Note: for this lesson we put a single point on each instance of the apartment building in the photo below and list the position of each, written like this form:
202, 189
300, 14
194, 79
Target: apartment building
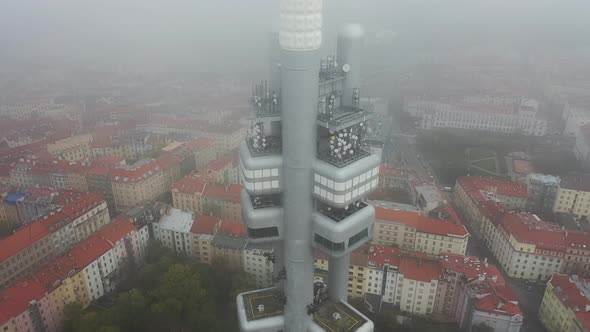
75, 148
204, 230
226, 138
406, 282
229, 243
519, 117
573, 195
88, 271
203, 150
257, 263
577, 254
195, 194
173, 230
411, 231
23, 110
36, 243
491, 305
524, 245
223, 170
357, 273
171, 168
98, 180
566, 304
395, 178
140, 182
187, 193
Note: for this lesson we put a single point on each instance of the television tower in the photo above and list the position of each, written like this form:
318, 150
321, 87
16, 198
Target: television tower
306, 174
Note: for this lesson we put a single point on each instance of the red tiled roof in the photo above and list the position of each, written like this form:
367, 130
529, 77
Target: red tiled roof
499, 300
135, 174
23, 238
117, 229
226, 192
205, 225
16, 299
504, 188
577, 240
189, 184
381, 255
421, 223
75, 206
226, 161
571, 296
472, 267
84, 253
199, 144
234, 228
528, 228
419, 269
168, 160
104, 171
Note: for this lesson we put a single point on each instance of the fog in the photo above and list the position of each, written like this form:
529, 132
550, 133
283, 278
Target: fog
179, 34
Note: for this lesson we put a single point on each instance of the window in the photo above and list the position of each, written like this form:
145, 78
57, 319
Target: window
359, 236
337, 247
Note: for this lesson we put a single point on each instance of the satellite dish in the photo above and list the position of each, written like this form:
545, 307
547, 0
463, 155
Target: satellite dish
346, 68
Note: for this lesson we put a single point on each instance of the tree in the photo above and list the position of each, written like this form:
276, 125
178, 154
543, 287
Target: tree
130, 311
72, 314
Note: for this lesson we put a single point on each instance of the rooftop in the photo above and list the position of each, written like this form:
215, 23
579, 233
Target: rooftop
168, 160
221, 163
263, 304
575, 182
199, 144
229, 242
205, 225
504, 188
473, 268
177, 221
421, 223
45, 225
189, 184
574, 293
338, 317
16, 299
497, 299
529, 228
137, 172
226, 192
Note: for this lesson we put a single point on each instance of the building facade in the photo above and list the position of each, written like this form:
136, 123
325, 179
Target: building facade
411, 231
134, 184
520, 117
566, 304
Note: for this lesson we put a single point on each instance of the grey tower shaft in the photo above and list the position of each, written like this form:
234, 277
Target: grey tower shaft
299, 81
338, 278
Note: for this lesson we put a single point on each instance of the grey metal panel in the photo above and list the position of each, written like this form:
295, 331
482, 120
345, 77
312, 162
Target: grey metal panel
342, 174
262, 218
343, 230
254, 163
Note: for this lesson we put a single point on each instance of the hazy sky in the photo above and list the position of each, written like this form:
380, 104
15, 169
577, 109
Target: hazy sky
177, 33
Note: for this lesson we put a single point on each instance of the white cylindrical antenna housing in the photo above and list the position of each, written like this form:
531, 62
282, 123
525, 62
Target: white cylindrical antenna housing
350, 44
